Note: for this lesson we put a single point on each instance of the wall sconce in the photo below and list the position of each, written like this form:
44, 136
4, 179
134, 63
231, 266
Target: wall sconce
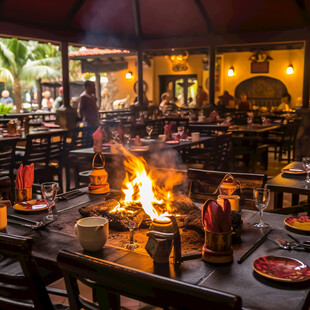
290, 69
231, 71
129, 75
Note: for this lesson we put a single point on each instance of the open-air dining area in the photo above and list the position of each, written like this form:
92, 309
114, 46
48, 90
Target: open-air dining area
155, 154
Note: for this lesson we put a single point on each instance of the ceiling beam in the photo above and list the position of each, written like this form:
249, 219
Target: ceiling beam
227, 39
77, 6
205, 15
136, 18
303, 11
56, 35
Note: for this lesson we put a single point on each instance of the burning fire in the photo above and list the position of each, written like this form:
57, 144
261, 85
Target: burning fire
145, 186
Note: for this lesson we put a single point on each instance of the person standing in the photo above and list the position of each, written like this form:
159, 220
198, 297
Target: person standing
58, 101
88, 109
201, 97
47, 101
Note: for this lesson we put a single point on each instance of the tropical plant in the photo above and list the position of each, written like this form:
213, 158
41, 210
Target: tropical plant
5, 108
27, 60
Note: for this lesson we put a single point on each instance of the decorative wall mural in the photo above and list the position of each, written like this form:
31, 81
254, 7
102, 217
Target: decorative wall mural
260, 62
179, 62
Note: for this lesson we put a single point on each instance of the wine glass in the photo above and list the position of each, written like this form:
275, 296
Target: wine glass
49, 191
306, 164
249, 120
127, 137
131, 225
261, 198
149, 130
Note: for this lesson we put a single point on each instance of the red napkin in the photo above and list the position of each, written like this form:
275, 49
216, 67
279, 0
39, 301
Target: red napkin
25, 176
216, 218
98, 137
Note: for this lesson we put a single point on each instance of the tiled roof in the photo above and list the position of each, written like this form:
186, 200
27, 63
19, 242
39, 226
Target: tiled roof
97, 52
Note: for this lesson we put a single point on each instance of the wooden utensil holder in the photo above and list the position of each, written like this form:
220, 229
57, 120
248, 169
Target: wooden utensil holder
217, 248
23, 194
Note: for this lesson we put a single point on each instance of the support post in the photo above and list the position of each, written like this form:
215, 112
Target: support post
66, 116
306, 80
211, 74
65, 74
98, 89
140, 77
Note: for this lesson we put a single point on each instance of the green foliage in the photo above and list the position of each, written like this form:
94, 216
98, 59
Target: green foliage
5, 108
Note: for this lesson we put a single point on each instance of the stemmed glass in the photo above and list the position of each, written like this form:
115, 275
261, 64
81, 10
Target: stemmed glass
127, 137
149, 130
249, 120
261, 198
131, 225
306, 164
49, 191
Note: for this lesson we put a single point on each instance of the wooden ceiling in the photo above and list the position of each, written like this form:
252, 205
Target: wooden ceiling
153, 24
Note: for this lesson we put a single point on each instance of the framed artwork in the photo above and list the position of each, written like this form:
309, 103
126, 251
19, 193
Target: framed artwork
260, 67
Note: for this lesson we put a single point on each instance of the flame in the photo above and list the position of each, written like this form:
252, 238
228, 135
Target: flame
145, 186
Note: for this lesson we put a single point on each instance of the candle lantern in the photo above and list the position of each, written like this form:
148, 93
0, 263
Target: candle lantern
163, 235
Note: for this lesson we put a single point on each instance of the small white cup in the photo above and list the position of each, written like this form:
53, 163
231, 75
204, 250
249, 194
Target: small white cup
233, 199
92, 232
195, 136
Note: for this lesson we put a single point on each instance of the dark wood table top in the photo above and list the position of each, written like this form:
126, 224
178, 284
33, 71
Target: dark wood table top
156, 145
256, 129
290, 183
256, 292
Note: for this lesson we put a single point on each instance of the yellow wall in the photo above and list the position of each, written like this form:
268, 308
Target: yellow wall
277, 69
163, 66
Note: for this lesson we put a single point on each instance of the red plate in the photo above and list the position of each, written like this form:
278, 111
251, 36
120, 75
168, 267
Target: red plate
300, 223
282, 269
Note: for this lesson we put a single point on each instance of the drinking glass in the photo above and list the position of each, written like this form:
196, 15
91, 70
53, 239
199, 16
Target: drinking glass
49, 191
249, 120
127, 137
261, 198
306, 164
149, 130
131, 225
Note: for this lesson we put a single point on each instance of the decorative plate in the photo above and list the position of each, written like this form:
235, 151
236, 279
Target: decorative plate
31, 205
293, 171
173, 142
282, 269
300, 223
139, 148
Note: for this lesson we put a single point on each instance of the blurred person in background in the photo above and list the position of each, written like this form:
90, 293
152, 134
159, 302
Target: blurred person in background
285, 103
47, 101
5, 97
58, 101
202, 97
244, 104
88, 109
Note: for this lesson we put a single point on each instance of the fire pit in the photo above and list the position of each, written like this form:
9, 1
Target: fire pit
148, 198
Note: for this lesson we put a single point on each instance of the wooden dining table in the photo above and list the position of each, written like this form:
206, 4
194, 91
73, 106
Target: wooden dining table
292, 183
256, 291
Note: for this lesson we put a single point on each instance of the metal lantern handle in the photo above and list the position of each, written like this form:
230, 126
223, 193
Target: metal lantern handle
101, 158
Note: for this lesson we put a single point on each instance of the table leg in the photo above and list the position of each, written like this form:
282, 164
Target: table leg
278, 200
295, 199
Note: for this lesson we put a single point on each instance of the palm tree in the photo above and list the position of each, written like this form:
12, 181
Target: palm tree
22, 60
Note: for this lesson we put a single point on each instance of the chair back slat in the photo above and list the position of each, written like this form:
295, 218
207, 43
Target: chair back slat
82, 137
25, 291
7, 156
203, 184
114, 280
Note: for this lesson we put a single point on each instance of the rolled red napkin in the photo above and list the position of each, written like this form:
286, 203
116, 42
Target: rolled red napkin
98, 137
215, 218
25, 176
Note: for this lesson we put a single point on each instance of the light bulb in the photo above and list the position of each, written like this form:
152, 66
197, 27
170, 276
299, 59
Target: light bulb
290, 69
129, 75
230, 71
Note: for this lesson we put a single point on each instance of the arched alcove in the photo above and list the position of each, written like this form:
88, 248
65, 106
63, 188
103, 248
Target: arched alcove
262, 91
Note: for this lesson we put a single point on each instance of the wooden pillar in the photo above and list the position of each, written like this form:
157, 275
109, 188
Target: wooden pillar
39, 94
98, 89
65, 74
211, 74
306, 80
140, 77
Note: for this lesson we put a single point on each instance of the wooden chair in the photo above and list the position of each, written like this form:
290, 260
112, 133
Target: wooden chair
48, 153
215, 154
81, 137
24, 290
7, 156
204, 183
110, 280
